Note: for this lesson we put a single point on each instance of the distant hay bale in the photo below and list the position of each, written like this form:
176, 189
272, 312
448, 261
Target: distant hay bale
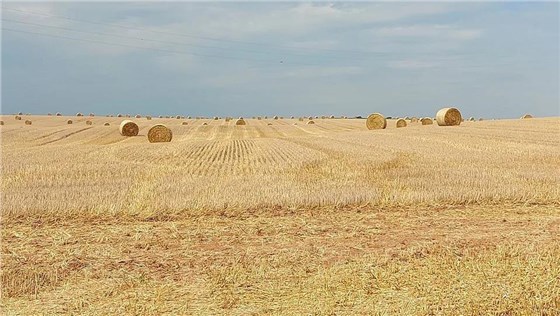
376, 121
316, 117
426, 121
138, 116
159, 134
184, 123
89, 123
161, 116
310, 118
258, 118
20, 113
167, 116
228, 119
346, 117
58, 114
240, 121
300, 119
69, 122
1, 122
275, 117
128, 115
414, 120
292, 117
49, 114
189, 117
332, 116
27, 122
448, 117
178, 117
269, 124
149, 118
471, 119
310, 122
106, 124
389, 117
128, 128
527, 116
401, 123
407, 118
119, 115
216, 118
295, 123
18, 118
481, 119
323, 117
91, 114
266, 117
204, 124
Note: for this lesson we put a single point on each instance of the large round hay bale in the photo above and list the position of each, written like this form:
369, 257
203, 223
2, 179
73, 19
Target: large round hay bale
376, 121
89, 123
184, 123
291, 117
160, 134
27, 122
128, 128
448, 117
216, 118
69, 122
189, 117
310, 122
240, 121
527, 116
266, 117
426, 121
18, 118
106, 124
401, 123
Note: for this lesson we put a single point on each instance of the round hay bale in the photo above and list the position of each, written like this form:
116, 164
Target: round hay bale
79, 114
161, 116
292, 117
69, 122
258, 118
128, 128
106, 124
471, 119
266, 117
149, 118
49, 114
310, 122
323, 117
427, 121
216, 118
178, 117
20, 113
310, 118
18, 118
480, 119
167, 116
128, 115
275, 117
138, 116
316, 117
376, 121
332, 116
407, 118
448, 117
300, 119
184, 123
159, 134
414, 120
189, 117
91, 114
119, 115
89, 123
204, 124
527, 116
269, 124
58, 114
1, 122
240, 121
27, 122
401, 123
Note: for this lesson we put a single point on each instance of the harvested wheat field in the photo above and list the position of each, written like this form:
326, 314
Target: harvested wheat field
329, 218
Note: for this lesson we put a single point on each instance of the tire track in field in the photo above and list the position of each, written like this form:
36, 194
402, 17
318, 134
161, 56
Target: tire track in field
65, 136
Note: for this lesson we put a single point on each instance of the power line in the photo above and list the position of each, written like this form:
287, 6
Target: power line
147, 39
155, 49
188, 35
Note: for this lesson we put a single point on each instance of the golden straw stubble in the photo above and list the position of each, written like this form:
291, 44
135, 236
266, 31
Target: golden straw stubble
160, 134
401, 123
448, 117
376, 121
128, 128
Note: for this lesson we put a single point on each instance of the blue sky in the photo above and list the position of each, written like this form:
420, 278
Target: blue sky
490, 59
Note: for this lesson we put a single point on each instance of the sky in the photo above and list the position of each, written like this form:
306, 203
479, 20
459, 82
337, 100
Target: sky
489, 59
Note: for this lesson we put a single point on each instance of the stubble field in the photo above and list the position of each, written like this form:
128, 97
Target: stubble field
280, 219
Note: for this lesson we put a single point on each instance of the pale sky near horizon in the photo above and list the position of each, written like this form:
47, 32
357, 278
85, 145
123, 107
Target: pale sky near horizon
490, 59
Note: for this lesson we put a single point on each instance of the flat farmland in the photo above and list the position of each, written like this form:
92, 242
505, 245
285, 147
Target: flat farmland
280, 217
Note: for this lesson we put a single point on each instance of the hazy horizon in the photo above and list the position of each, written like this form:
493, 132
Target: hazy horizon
492, 60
